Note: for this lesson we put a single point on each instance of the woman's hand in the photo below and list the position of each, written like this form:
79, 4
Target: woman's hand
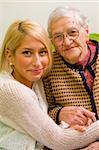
77, 117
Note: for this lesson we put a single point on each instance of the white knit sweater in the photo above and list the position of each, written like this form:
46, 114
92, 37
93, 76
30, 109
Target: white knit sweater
24, 111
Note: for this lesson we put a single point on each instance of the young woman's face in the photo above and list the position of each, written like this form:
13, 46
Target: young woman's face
69, 39
30, 61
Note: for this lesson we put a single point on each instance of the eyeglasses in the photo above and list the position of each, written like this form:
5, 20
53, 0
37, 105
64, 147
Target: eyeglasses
71, 34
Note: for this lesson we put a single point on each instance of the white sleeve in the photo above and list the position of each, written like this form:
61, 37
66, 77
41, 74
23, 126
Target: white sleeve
20, 105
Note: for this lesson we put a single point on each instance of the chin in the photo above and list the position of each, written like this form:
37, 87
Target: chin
72, 60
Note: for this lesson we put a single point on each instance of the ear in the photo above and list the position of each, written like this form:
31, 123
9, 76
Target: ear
87, 32
8, 55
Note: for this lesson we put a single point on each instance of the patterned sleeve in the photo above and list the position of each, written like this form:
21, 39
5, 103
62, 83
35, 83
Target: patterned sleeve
53, 108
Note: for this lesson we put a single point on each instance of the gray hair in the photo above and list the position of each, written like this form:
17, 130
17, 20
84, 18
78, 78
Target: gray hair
60, 12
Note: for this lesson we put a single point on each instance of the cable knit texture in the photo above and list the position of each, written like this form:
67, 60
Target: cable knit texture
24, 111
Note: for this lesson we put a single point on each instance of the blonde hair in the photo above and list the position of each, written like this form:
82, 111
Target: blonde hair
15, 36
60, 12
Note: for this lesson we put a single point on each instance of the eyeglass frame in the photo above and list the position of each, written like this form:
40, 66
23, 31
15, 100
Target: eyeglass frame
65, 35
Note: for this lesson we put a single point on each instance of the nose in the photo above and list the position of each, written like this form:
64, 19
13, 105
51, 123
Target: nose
36, 61
67, 40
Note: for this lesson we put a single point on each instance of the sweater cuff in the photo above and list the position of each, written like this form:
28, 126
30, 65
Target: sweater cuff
57, 116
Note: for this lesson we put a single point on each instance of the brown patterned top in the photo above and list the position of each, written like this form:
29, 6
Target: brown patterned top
66, 85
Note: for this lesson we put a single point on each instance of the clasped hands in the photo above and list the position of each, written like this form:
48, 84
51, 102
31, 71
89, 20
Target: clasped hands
77, 117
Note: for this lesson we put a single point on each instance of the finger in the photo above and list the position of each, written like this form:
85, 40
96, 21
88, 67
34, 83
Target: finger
78, 120
89, 114
83, 118
79, 128
89, 122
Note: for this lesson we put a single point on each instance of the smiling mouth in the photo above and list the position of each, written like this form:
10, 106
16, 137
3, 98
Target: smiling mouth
37, 71
70, 48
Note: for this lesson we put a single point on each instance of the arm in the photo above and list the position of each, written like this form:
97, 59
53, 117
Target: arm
20, 105
92, 146
53, 108
72, 115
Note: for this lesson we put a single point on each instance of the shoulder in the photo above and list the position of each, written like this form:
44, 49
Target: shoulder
5, 79
93, 43
56, 55
8, 83
57, 60
13, 92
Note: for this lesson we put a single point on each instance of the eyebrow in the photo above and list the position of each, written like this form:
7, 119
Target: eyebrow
72, 28
57, 33
33, 48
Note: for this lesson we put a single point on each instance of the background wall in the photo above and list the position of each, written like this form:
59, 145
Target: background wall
40, 10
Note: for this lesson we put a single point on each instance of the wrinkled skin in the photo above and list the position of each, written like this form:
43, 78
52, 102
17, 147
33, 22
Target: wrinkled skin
77, 117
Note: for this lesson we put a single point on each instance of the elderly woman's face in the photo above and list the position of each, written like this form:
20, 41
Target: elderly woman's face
69, 39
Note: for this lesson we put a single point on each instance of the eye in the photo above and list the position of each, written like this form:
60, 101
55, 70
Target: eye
73, 32
43, 52
27, 52
58, 37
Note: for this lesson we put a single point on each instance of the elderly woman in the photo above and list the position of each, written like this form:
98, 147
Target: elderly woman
73, 82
